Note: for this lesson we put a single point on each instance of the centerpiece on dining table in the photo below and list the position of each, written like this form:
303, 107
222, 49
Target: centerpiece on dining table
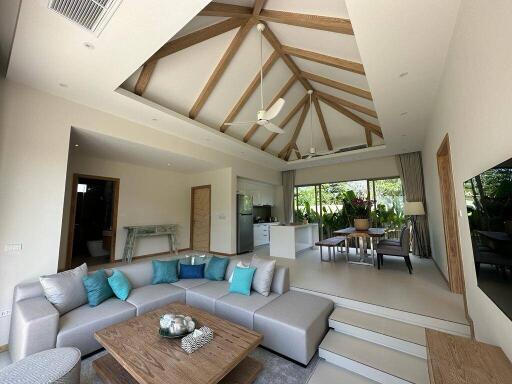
362, 209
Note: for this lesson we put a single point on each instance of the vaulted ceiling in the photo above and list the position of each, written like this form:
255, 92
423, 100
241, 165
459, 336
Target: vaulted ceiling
209, 71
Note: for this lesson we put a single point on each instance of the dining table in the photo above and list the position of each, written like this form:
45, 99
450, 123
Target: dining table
362, 237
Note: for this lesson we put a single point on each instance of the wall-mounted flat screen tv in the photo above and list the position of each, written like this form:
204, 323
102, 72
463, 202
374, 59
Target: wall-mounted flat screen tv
489, 206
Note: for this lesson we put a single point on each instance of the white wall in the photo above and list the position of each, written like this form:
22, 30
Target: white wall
473, 107
355, 170
146, 196
34, 138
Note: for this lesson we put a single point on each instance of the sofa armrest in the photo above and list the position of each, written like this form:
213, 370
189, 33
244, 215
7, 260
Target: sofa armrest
34, 327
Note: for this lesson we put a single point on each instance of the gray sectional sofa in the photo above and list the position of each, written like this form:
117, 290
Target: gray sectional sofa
292, 323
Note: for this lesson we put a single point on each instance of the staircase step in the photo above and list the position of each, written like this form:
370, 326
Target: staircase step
329, 373
378, 363
390, 333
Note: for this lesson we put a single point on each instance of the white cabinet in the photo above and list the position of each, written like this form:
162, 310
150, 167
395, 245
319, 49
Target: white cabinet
262, 194
261, 234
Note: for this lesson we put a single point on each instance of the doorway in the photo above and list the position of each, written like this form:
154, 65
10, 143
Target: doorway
450, 223
93, 220
200, 218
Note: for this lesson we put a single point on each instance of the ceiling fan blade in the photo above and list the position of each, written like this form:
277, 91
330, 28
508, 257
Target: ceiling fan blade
273, 128
274, 109
241, 123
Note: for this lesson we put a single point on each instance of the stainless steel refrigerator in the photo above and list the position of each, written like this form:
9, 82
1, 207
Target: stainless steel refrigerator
244, 224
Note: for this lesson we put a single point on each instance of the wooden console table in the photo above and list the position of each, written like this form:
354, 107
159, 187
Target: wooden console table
459, 360
136, 231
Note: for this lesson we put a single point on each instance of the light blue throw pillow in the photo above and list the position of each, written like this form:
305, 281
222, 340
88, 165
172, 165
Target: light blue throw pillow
216, 268
164, 272
242, 280
97, 287
120, 285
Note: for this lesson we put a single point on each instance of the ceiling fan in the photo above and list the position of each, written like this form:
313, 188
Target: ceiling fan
263, 116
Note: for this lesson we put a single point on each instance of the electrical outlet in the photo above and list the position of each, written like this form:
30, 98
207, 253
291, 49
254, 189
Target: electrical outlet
13, 247
5, 312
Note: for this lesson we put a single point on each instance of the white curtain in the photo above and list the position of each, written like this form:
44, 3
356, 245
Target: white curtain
411, 174
288, 178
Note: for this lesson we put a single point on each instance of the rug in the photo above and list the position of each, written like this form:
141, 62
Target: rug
276, 369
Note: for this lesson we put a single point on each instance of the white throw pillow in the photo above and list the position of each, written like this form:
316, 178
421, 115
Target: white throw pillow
264, 274
241, 265
65, 290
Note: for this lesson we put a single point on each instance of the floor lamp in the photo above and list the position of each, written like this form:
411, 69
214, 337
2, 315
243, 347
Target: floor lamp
414, 209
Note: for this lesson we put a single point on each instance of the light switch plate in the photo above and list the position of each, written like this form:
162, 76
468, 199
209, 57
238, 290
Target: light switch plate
5, 312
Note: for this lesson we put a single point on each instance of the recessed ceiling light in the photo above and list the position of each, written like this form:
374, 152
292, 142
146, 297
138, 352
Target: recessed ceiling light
404, 113
404, 135
168, 164
77, 145
154, 119
88, 45
63, 85
403, 74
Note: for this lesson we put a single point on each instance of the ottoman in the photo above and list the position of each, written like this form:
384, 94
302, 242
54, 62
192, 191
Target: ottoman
294, 324
59, 365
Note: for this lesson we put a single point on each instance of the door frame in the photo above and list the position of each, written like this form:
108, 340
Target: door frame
450, 221
192, 190
72, 213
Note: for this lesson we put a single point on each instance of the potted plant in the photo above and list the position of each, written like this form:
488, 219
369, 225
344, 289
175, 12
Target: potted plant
362, 210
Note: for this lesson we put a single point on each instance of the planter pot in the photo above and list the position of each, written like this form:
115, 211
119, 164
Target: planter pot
362, 224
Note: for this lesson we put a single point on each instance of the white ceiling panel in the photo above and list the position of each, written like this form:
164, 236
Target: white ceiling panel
198, 23
316, 7
343, 95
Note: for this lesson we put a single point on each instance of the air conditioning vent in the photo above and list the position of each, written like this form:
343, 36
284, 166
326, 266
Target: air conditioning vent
90, 14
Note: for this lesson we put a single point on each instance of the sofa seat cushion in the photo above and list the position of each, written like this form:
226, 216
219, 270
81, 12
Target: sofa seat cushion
240, 309
77, 327
151, 297
190, 283
204, 296
294, 324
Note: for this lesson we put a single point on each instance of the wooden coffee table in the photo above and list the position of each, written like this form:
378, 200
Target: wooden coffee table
137, 354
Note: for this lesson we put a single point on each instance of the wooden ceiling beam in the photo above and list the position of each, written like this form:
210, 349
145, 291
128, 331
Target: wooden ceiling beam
372, 127
179, 44
280, 94
276, 44
197, 37
285, 151
249, 91
144, 77
348, 104
368, 135
226, 10
285, 121
337, 85
322, 123
325, 23
297, 152
258, 6
332, 61
221, 68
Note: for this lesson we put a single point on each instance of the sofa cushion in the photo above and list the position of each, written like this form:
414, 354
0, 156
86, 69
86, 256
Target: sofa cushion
65, 290
189, 271
294, 324
77, 327
97, 287
281, 280
190, 283
240, 309
263, 276
242, 280
139, 273
120, 284
204, 296
164, 272
216, 268
151, 297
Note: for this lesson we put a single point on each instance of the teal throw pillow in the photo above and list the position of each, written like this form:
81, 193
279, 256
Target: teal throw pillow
97, 287
216, 268
120, 284
165, 271
242, 280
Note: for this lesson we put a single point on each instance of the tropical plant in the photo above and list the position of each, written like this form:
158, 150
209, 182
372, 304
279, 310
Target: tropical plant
362, 208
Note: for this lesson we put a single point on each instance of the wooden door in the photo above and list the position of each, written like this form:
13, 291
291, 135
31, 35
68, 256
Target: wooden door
451, 226
200, 218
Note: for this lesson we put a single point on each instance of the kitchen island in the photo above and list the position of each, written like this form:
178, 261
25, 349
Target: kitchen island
287, 240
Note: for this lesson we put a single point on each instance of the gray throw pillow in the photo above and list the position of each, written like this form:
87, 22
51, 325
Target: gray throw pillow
263, 276
65, 290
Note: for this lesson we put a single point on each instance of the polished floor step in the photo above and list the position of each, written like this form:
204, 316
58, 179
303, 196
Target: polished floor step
376, 362
390, 333
327, 373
